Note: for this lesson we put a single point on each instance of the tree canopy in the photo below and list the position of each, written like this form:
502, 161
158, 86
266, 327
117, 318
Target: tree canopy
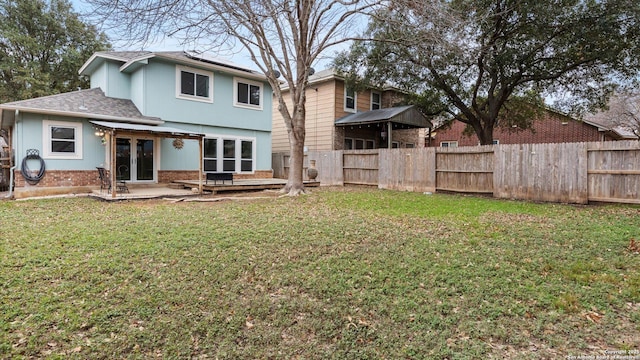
490, 63
622, 112
42, 46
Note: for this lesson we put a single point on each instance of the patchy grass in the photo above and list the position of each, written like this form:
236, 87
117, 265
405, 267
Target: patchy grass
347, 273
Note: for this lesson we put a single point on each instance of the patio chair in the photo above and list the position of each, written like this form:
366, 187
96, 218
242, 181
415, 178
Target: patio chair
105, 182
121, 185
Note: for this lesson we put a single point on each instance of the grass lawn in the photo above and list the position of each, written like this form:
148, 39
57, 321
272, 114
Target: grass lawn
343, 273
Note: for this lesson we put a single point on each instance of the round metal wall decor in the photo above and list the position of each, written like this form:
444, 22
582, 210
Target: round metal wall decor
178, 143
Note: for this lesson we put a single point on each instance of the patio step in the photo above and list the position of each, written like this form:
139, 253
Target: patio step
175, 186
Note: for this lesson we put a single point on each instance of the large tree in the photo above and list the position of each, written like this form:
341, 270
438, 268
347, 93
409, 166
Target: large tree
42, 46
283, 37
484, 62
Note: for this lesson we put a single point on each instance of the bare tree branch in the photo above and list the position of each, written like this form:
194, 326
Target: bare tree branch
281, 36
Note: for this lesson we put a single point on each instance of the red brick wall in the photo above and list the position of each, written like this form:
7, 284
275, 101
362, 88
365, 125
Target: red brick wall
550, 129
59, 178
62, 178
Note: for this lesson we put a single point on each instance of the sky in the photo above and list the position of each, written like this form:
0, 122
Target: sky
240, 57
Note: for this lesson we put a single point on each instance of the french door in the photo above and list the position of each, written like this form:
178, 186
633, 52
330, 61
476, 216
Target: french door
135, 159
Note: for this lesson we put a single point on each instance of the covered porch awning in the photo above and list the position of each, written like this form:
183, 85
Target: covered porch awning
117, 128
162, 131
401, 117
407, 117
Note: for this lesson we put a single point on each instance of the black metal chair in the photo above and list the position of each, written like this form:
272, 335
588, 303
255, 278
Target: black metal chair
121, 185
105, 182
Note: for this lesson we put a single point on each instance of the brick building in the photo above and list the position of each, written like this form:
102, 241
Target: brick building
551, 128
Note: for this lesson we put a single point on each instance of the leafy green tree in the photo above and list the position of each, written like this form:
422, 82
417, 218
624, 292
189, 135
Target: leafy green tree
42, 46
485, 62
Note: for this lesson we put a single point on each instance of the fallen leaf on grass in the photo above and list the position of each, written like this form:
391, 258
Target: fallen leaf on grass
594, 316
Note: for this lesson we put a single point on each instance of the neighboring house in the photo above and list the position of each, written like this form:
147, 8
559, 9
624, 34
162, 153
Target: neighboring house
552, 127
338, 118
622, 115
153, 117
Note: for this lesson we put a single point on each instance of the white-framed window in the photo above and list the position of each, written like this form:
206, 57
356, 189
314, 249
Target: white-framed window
409, 145
376, 100
247, 94
395, 145
370, 144
449, 144
194, 84
62, 139
229, 154
496, 142
348, 144
350, 99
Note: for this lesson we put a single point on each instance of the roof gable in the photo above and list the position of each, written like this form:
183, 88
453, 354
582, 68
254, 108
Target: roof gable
132, 60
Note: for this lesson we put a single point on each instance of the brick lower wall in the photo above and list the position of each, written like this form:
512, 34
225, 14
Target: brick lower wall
83, 178
61, 178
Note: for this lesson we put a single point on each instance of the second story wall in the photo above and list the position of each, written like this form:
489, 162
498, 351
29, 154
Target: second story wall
113, 82
326, 103
161, 97
320, 116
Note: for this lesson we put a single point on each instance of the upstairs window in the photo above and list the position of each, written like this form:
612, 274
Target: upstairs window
375, 100
193, 84
247, 94
350, 100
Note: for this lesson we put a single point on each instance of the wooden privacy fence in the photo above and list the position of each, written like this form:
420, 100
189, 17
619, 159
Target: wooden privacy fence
568, 172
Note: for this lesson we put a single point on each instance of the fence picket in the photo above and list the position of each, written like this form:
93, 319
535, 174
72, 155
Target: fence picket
567, 172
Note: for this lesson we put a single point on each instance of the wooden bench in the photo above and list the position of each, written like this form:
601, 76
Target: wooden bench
219, 176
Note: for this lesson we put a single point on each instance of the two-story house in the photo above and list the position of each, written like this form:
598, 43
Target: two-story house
152, 117
338, 118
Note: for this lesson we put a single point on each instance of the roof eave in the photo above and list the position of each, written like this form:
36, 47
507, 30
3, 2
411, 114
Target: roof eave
315, 81
250, 74
94, 57
83, 115
144, 60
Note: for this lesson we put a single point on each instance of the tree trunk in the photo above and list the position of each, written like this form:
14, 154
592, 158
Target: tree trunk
485, 135
295, 183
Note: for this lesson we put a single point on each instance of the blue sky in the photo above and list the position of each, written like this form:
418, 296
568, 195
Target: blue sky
241, 57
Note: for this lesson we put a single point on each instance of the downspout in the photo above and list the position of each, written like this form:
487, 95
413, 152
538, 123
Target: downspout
13, 168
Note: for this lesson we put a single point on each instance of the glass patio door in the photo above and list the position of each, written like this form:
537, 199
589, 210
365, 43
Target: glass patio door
144, 159
135, 159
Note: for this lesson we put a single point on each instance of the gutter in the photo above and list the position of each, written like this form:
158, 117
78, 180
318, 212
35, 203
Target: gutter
83, 115
13, 168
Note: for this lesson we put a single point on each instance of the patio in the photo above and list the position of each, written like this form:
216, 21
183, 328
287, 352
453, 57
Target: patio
184, 188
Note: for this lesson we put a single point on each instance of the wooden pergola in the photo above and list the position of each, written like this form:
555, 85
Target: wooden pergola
124, 129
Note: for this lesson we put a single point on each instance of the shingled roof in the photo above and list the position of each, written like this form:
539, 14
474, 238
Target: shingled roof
90, 103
